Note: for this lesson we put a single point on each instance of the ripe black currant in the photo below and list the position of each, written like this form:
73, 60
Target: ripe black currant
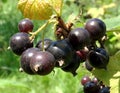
96, 28
47, 42
25, 59
74, 65
91, 87
85, 79
25, 25
105, 90
19, 42
42, 63
79, 38
95, 80
62, 52
98, 58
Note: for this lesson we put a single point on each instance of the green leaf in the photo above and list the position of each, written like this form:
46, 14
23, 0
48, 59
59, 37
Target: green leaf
12, 82
111, 76
113, 24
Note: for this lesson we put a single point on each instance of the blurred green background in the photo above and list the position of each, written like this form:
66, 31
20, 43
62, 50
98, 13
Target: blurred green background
13, 81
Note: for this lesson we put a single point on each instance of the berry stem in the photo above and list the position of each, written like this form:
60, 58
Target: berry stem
40, 29
61, 8
56, 12
43, 36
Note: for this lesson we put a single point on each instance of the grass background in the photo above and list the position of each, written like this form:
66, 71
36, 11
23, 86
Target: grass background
13, 81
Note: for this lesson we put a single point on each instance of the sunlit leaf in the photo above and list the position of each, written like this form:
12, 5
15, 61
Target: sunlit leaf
57, 5
35, 9
40, 9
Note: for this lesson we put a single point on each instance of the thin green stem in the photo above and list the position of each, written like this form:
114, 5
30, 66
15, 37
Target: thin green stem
43, 36
61, 7
113, 30
38, 31
56, 12
116, 37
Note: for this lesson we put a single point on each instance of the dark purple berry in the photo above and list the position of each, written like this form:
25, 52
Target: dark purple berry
42, 63
105, 90
47, 43
25, 59
62, 52
85, 79
91, 87
96, 28
98, 59
19, 42
103, 52
25, 25
74, 65
79, 38
95, 80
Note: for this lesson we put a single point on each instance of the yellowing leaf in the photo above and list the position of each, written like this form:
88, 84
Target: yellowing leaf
21, 4
57, 5
40, 9
111, 76
35, 9
27, 8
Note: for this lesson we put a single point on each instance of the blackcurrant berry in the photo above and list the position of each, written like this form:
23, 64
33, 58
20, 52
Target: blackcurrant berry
103, 52
19, 42
85, 79
105, 90
47, 43
62, 52
42, 63
91, 87
96, 28
25, 59
98, 59
74, 65
95, 80
25, 25
79, 38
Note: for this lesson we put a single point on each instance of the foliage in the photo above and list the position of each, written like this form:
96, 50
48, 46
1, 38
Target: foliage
58, 82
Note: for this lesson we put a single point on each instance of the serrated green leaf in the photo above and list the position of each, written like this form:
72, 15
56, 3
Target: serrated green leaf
111, 76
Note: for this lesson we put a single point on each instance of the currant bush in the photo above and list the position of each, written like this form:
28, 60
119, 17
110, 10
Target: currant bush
72, 47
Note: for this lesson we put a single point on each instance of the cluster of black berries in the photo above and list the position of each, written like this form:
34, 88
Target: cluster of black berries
94, 85
71, 47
